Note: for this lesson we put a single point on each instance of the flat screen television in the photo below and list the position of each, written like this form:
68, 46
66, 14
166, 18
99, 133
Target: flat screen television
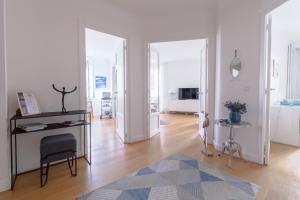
188, 93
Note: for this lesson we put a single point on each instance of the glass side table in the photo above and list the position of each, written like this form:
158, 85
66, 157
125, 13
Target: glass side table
231, 146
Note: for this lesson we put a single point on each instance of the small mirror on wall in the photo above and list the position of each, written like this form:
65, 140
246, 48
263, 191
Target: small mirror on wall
236, 65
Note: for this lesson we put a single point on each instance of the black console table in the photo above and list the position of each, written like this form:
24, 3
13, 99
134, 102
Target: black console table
14, 131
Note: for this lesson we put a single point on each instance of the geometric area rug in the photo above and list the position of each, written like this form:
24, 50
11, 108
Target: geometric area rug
177, 177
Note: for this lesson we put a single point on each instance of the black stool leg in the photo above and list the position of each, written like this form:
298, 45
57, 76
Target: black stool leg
75, 165
71, 165
42, 174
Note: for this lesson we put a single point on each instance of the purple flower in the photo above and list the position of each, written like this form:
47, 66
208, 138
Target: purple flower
236, 106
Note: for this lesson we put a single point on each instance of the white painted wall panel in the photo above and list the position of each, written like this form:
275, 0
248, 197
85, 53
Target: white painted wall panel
43, 48
4, 144
239, 29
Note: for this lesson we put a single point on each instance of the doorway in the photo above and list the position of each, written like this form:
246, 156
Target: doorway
177, 83
281, 122
105, 84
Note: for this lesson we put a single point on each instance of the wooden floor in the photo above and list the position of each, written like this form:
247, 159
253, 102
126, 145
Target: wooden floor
112, 160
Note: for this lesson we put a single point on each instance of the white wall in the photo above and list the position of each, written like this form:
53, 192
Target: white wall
103, 70
4, 144
239, 29
178, 74
44, 47
199, 25
102, 67
101, 45
279, 53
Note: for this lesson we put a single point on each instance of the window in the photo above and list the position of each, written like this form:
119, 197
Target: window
293, 81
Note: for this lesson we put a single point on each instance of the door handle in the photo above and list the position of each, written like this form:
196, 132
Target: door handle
269, 90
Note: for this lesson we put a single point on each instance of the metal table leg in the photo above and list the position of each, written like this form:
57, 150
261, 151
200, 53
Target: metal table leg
231, 146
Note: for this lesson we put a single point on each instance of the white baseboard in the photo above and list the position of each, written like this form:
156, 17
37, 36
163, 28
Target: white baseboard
137, 138
245, 155
4, 184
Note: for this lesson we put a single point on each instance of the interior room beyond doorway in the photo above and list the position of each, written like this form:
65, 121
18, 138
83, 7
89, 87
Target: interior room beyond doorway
284, 69
176, 71
105, 82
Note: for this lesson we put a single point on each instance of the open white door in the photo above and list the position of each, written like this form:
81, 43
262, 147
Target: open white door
203, 88
121, 91
266, 107
153, 91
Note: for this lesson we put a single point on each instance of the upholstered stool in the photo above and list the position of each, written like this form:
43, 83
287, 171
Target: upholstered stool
55, 148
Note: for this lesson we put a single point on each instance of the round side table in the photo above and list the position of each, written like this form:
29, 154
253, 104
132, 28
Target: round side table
231, 146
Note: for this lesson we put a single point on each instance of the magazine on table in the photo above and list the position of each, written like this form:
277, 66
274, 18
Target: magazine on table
28, 104
32, 127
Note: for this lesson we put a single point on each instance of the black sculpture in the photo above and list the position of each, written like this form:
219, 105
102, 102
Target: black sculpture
63, 92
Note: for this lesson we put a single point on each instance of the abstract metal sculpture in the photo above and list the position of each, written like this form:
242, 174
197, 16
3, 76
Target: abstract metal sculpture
205, 125
63, 92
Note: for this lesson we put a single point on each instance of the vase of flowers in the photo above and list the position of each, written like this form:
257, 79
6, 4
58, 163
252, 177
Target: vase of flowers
236, 110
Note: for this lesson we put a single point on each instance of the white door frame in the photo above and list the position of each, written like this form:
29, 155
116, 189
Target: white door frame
149, 91
148, 79
82, 77
202, 112
124, 137
265, 100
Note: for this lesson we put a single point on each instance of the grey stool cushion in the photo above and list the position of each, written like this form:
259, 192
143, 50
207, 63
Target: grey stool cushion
57, 147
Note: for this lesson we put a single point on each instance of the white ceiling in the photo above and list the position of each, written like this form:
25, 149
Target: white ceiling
101, 45
163, 7
179, 50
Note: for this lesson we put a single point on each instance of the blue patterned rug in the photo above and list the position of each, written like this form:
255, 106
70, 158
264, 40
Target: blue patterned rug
176, 178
